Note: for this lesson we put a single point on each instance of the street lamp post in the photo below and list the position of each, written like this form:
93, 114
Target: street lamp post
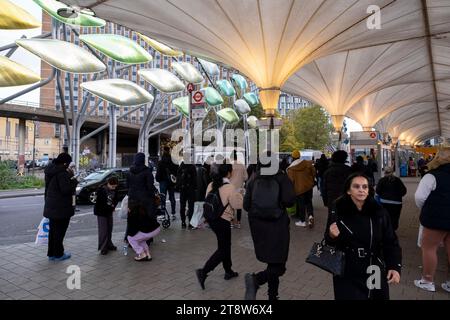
34, 145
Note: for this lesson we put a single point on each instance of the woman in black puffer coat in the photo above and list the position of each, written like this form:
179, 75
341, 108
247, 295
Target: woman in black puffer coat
362, 229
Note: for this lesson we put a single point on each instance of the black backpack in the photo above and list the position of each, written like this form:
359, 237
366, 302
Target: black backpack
213, 207
266, 198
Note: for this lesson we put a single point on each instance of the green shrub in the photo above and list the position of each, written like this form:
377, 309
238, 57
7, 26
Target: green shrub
9, 179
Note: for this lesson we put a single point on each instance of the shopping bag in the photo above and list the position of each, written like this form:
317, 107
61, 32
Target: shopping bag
197, 217
123, 212
43, 229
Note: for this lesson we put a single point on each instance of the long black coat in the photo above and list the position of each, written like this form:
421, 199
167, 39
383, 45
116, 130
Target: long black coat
141, 187
59, 192
271, 238
383, 244
333, 182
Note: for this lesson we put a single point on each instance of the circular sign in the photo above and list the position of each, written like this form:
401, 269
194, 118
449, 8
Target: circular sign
373, 135
190, 87
198, 96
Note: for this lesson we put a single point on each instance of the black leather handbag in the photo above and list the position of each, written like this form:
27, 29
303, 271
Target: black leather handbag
327, 258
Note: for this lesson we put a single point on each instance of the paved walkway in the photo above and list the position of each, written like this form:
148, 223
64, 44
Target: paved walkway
6, 194
25, 272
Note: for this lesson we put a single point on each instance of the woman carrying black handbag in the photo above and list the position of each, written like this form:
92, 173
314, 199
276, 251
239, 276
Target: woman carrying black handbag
362, 229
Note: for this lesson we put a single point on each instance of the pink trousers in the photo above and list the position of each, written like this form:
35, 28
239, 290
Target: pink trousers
138, 241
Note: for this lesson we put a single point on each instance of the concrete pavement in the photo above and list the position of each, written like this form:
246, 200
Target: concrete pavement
25, 272
18, 193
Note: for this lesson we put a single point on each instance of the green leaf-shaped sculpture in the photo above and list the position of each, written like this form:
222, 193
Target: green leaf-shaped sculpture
239, 81
14, 74
118, 91
228, 115
162, 80
242, 106
188, 72
251, 98
212, 97
82, 19
182, 105
13, 17
63, 55
252, 122
226, 88
160, 47
117, 47
211, 68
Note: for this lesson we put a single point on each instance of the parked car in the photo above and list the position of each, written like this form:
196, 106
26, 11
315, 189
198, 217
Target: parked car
87, 188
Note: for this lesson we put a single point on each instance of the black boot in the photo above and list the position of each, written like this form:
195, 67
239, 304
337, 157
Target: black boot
201, 276
251, 286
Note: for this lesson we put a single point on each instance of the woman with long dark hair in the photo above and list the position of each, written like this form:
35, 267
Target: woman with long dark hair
231, 200
362, 228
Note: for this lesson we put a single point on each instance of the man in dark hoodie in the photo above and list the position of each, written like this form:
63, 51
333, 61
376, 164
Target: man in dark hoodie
60, 185
141, 187
166, 174
334, 178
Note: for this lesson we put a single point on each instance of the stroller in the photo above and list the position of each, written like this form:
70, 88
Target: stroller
162, 213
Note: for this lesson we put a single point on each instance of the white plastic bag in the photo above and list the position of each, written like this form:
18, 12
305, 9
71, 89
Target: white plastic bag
43, 229
197, 217
123, 212
419, 236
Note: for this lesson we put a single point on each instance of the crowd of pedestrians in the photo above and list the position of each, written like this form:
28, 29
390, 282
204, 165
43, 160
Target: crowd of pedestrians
363, 214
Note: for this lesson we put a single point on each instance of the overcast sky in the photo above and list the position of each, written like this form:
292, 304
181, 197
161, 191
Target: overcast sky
29, 60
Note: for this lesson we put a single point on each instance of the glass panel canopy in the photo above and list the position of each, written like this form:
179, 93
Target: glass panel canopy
118, 91
162, 80
14, 17
82, 19
117, 47
63, 55
14, 74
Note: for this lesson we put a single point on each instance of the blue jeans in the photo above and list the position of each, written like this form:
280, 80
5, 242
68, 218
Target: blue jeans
165, 187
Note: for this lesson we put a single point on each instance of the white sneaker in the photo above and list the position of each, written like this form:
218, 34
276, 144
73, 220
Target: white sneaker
300, 224
446, 286
311, 221
425, 285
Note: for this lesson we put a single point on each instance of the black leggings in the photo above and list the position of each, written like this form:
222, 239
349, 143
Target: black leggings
271, 276
222, 230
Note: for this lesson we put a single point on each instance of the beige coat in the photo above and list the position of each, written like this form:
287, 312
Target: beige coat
229, 194
239, 175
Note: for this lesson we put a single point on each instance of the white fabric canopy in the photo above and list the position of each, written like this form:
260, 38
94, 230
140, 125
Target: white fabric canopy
270, 40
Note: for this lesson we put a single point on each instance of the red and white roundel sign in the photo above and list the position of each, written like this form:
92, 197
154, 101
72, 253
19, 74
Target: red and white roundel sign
190, 87
198, 96
373, 135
